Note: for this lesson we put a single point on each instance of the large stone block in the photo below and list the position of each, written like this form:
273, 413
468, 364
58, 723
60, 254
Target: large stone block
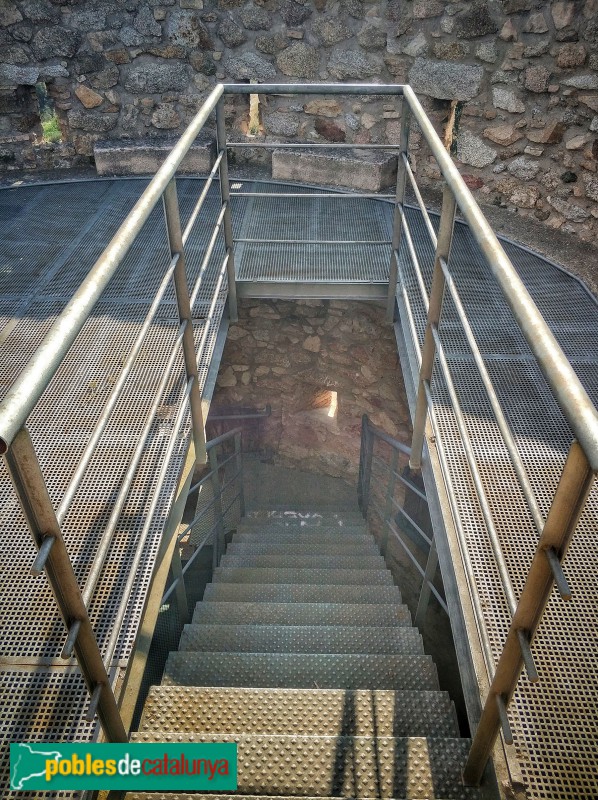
446, 80
356, 169
146, 157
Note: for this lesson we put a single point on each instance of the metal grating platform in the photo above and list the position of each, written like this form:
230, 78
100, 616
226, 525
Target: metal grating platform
554, 722
51, 236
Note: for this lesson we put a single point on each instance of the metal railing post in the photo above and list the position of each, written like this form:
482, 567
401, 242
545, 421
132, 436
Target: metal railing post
365, 465
228, 225
26, 475
239, 466
567, 505
443, 249
218, 518
175, 242
394, 462
426, 591
179, 582
397, 224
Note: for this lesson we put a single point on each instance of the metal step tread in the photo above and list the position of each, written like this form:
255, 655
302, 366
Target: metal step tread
302, 561
284, 537
358, 614
300, 593
348, 766
348, 577
303, 517
199, 796
337, 528
301, 712
300, 639
301, 670
276, 546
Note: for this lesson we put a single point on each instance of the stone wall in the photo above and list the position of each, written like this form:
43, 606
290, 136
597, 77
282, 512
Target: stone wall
293, 355
525, 74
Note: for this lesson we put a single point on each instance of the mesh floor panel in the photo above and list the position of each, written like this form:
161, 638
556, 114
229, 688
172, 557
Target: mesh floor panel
51, 237
43, 259
554, 722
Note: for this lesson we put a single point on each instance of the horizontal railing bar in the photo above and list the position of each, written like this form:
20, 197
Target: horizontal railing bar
22, 396
189, 562
312, 146
571, 396
208, 254
149, 514
501, 420
202, 197
399, 477
403, 448
475, 474
223, 438
231, 504
210, 474
114, 396
314, 88
318, 195
312, 241
196, 519
439, 597
253, 415
210, 316
127, 481
411, 521
420, 201
42, 556
414, 260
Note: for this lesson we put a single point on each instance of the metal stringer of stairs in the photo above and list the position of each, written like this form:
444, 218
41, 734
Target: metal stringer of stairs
302, 653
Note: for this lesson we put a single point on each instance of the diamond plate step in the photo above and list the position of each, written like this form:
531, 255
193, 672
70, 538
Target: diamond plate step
198, 796
303, 712
347, 766
301, 561
333, 547
301, 670
381, 615
300, 639
300, 593
347, 577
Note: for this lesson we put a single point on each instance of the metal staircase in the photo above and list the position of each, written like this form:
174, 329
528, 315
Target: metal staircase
302, 653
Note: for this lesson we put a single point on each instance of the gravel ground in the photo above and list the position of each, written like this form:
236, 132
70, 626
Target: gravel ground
579, 258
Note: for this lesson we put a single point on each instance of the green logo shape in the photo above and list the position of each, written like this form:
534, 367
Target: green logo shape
43, 766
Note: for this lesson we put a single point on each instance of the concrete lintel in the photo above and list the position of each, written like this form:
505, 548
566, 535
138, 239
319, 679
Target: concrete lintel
145, 157
367, 170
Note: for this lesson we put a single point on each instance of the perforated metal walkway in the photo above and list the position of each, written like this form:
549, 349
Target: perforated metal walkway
51, 236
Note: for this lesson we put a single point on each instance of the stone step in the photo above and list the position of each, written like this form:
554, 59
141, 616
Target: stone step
369, 171
325, 542
300, 593
358, 614
346, 577
301, 670
300, 639
346, 766
301, 561
302, 712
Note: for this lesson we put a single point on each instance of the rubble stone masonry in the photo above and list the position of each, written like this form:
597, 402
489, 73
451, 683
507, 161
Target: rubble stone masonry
525, 74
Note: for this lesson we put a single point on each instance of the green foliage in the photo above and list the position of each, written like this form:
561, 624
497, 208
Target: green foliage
51, 127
